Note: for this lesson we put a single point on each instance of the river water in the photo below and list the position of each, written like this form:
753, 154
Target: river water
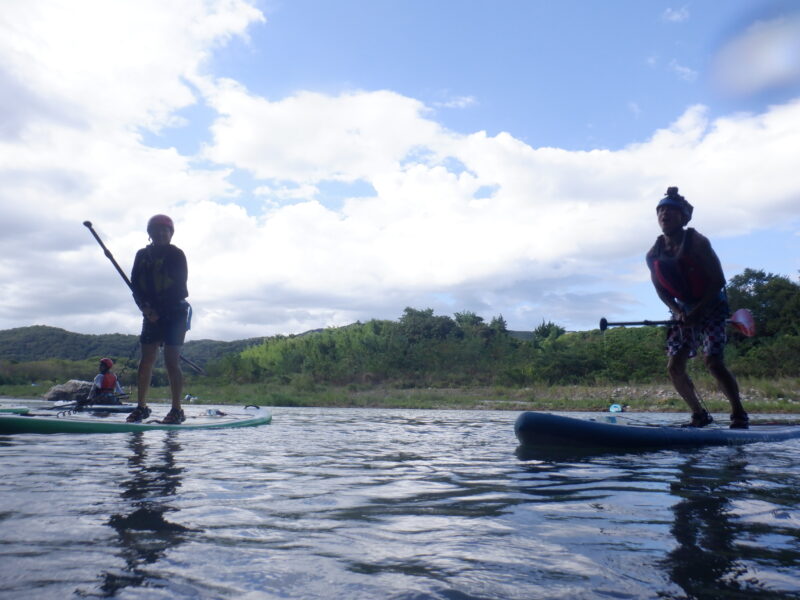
398, 504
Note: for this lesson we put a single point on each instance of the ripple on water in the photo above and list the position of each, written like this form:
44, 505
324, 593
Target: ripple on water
390, 504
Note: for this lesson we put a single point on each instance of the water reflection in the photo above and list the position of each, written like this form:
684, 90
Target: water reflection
713, 559
721, 545
145, 534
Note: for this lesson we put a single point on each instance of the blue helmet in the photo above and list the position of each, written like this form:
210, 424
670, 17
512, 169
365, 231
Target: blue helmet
673, 198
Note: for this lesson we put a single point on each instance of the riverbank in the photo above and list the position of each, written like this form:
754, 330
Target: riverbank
759, 396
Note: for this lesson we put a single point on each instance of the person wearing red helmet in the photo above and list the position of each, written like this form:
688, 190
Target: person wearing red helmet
105, 387
158, 279
688, 277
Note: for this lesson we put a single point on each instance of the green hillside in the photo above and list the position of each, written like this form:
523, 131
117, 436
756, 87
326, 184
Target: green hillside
421, 350
40, 342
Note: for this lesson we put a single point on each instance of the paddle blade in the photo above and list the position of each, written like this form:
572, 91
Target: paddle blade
743, 321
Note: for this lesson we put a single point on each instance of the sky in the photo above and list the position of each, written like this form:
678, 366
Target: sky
333, 162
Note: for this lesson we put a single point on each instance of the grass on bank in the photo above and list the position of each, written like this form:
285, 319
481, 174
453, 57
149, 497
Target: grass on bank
759, 396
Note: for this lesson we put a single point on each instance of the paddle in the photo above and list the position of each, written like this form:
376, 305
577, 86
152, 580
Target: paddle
88, 225
742, 320
86, 402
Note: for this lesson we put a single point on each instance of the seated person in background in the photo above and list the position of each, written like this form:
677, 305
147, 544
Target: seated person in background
105, 387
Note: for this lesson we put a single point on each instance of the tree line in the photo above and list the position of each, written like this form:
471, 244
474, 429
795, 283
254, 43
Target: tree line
422, 349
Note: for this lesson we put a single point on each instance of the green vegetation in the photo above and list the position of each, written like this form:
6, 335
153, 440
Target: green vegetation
431, 361
41, 353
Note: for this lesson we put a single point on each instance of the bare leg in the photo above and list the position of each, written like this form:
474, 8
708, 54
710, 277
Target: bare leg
172, 362
726, 381
145, 373
682, 382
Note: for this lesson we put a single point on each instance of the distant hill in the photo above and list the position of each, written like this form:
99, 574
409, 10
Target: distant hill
40, 342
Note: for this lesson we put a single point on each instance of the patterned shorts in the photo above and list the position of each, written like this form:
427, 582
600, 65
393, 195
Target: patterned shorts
711, 332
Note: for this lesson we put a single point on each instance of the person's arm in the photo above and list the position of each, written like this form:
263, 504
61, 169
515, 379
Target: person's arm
98, 381
136, 280
715, 280
139, 292
666, 297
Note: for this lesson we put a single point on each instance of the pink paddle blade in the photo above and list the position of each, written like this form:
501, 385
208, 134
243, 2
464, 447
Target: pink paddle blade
743, 320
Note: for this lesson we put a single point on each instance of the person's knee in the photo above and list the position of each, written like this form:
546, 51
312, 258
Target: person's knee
147, 362
172, 355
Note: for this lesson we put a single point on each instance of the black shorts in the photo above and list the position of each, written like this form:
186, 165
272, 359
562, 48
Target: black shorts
170, 329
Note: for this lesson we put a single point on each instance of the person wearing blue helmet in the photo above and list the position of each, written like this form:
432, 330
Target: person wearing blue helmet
688, 278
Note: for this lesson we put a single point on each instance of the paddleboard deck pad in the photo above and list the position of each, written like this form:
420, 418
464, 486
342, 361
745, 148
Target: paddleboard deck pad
68, 422
548, 430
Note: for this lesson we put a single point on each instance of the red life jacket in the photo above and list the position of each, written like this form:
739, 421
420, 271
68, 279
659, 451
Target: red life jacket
109, 383
681, 275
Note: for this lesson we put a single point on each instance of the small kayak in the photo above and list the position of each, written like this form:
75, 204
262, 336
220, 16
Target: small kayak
250, 416
548, 430
17, 410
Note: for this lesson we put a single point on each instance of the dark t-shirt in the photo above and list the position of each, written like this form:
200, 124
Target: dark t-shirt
159, 278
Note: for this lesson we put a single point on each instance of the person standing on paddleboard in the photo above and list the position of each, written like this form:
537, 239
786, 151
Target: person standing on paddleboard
688, 278
158, 281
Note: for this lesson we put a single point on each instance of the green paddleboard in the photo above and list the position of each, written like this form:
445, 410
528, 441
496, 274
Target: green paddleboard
17, 410
115, 423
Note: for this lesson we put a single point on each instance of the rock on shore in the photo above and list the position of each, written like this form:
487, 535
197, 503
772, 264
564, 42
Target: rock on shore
73, 390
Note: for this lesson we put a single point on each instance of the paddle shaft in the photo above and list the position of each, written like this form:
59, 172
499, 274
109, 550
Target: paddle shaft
88, 225
605, 324
108, 254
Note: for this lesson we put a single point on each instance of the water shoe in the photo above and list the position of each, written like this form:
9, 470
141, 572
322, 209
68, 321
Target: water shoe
700, 419
138, 414
740, 421
174, 417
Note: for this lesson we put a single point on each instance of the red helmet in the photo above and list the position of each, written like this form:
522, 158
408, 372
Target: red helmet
160, 220
107, 362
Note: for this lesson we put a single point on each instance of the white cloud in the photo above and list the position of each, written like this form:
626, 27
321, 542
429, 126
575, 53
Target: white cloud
556, 234
685, 73
112, 64
675, 15
458, 102
766, 55
284, 193
545, 227
312, 136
